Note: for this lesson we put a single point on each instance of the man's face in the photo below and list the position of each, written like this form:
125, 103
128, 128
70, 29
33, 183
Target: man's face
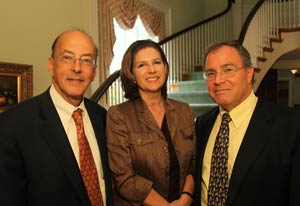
70, 77
228, 92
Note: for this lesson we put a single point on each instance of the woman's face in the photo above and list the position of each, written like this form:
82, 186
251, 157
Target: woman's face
149, 71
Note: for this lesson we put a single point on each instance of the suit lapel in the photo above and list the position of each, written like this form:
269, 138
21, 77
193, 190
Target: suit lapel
145, 117
98, 125
172, 115
56, 138
204, 126
252, 145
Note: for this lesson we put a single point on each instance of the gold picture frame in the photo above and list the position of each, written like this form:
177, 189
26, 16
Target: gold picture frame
15, 84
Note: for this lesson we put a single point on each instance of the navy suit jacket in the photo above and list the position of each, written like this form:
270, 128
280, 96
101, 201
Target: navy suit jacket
37, 164
267, 167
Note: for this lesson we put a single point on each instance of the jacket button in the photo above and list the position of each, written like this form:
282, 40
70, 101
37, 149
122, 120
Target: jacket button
166, 149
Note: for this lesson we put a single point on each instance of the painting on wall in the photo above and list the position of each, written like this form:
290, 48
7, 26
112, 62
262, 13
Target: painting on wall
15, 84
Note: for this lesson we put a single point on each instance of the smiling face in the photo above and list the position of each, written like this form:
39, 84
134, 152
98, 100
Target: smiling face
228, 92
149, 71
71, 80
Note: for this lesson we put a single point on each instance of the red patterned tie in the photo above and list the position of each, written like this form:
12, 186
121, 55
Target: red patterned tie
87, 163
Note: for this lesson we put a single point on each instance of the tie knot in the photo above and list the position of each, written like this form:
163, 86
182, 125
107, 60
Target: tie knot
226, 118
77, 115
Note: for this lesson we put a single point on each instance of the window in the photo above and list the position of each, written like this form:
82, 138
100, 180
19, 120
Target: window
126, 37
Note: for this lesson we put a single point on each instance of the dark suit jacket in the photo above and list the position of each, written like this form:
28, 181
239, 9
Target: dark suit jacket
267, 167
37, 164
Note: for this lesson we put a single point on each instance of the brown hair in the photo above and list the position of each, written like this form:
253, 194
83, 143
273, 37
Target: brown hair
130, 88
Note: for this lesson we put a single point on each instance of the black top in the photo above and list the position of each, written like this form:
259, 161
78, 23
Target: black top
174, 172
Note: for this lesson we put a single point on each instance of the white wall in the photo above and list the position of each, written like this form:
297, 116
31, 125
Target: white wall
29, 27
182, 14
213, 7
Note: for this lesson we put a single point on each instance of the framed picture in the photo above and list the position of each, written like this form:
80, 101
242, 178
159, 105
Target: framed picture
15, 84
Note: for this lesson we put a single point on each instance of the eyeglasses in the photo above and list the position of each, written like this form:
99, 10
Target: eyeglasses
226, 72
84, 61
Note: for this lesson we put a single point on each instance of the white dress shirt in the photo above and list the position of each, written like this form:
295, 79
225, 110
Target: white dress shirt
65, 111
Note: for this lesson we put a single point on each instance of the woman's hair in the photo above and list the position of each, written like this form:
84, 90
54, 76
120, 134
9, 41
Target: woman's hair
129, 85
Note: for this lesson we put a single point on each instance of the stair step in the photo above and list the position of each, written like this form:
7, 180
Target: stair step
194, 85
208, 105
192, 97
193, 90
201, 108
196, 76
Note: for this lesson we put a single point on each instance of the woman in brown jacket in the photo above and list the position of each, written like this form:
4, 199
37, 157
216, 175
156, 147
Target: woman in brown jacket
150, 137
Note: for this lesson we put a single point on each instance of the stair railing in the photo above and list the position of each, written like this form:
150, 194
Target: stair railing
271, 17
185, 50
264, 25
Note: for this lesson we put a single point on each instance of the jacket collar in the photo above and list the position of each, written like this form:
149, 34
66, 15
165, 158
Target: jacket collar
254, 142
55, 136
146, 117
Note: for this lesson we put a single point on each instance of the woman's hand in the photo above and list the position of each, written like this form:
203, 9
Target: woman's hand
184, 200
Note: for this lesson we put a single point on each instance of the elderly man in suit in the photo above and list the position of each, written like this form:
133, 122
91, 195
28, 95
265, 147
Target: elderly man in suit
254, 158
53, 146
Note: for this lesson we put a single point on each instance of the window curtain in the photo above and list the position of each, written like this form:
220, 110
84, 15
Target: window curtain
153, 20
106, 38
125, 12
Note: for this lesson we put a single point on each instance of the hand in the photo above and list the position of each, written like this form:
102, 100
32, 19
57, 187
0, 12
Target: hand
177, 203
184, 200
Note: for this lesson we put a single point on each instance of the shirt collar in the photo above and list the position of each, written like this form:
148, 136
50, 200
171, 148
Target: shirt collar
243, 110
62, 105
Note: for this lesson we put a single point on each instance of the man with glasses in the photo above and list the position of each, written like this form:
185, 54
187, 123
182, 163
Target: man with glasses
247, 150
53, 146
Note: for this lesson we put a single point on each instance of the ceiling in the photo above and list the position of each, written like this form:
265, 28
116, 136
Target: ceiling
292, 55
290, 60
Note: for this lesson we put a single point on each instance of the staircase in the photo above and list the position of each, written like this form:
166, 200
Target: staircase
267, 22
194, 92
271, 30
